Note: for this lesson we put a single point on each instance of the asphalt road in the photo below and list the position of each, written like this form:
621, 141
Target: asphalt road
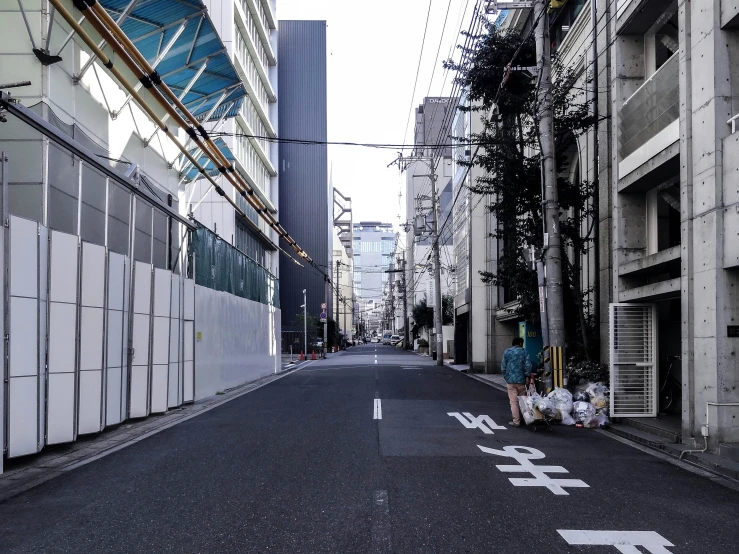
358, 454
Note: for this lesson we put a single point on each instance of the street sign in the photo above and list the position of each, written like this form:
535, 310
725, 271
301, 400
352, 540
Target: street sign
323, 306
323, 317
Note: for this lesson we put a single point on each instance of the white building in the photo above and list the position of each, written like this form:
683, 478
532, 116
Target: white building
102, 310
431, 119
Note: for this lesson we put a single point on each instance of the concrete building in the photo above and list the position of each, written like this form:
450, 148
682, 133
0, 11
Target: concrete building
668, 202
374, 244
487, 315
664, 287
433, 118
306, 198
121, 300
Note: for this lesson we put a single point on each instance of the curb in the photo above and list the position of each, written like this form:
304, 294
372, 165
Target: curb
481, 380
47, 466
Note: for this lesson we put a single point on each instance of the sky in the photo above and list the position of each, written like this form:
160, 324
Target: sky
373, 56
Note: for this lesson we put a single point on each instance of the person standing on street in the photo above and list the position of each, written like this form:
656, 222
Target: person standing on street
515, 366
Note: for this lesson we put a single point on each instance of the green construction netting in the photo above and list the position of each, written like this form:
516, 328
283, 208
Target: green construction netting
220, 266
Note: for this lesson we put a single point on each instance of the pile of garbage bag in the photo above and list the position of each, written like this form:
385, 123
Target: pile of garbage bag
587, 407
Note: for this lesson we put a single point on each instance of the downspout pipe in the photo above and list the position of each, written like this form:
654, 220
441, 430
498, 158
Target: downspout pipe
596, 172
706, 428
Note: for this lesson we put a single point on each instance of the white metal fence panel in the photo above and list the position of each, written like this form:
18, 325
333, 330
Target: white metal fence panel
25, 374
61, 390
116, 370
633, 357
92, 339
174, 396
139, 404
160, 340
188, 340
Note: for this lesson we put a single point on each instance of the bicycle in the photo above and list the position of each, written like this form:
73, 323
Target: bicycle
667, 390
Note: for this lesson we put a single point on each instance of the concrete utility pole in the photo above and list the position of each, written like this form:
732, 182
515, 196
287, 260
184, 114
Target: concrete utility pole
550, 199
405, 308
392, 304
437, 270
438, 310
338, 263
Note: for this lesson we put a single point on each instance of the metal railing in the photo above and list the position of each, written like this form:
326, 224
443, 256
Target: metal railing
650, 109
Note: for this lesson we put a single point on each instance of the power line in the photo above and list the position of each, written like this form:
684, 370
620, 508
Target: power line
307, 142
418, 69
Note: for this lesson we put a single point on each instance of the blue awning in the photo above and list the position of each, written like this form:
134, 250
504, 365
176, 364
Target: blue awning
193, 173
178, 37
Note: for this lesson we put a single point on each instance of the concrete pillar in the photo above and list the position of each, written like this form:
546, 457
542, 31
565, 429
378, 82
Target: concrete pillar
606, 174
686, 222
714, 300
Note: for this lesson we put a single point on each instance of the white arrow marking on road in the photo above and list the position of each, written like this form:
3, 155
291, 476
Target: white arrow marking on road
477, 422
378, 409
624, 541
541, 479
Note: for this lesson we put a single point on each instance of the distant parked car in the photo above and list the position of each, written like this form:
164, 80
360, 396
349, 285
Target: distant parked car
394, 339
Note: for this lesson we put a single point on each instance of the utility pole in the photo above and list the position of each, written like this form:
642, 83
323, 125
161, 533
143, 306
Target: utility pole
305, 323
437, 271
338, 263
550, 199
405, 308
392, 304
438, 309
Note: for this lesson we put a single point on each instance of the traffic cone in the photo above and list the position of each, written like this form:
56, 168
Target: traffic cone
313, 356
302, 356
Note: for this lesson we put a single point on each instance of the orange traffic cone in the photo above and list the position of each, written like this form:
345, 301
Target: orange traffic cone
313, 356
302, 356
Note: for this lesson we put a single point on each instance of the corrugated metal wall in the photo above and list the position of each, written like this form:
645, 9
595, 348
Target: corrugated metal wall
303, 170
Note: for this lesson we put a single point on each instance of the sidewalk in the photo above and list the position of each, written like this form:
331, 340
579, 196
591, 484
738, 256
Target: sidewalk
27, 472
644, 432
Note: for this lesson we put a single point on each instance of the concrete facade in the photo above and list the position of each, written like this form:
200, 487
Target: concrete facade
692, 278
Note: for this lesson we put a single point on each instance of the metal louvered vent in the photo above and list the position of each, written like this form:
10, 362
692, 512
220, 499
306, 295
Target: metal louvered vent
633, 334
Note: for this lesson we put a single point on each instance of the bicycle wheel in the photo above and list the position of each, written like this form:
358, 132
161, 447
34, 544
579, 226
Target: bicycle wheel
665, 398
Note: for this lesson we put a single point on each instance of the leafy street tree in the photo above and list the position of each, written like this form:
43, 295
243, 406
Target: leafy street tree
511, 181
423, 315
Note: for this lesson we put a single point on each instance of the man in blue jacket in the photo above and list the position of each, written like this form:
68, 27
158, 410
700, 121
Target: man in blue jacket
515, 366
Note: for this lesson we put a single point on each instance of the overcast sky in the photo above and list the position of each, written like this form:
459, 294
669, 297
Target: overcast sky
373, 53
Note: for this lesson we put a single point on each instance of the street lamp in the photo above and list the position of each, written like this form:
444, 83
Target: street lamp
305, 322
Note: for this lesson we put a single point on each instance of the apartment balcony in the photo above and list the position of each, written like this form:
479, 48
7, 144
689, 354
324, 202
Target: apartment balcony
649, 118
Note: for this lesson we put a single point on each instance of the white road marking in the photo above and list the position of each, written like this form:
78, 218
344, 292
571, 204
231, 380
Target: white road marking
478, 422
378, 409
624, 541
523, 455
381, 524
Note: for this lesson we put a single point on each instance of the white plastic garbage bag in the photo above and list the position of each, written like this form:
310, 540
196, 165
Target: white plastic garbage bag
567, 418
526, 405
562, 399
583, 412
546, 407
598, 393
